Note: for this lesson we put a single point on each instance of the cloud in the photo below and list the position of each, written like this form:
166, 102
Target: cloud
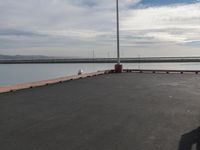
173, 23
90, 24
104, 4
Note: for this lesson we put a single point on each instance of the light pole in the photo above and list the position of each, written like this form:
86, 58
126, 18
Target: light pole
118, 46
118, 66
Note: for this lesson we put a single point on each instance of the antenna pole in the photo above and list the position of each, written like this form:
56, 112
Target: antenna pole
118, 66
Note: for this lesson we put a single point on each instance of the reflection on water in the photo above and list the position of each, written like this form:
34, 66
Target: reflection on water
21, 73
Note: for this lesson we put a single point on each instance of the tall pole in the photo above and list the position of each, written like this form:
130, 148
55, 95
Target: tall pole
118, 46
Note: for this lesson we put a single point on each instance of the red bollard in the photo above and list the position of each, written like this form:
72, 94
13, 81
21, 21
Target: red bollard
118, 68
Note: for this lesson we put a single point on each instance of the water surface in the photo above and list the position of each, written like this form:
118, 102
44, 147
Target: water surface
21, 73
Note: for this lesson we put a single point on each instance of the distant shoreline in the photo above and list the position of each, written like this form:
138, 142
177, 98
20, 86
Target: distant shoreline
102, 60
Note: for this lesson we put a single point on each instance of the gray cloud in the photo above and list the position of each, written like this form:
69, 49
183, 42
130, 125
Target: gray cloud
13, 32
78, 26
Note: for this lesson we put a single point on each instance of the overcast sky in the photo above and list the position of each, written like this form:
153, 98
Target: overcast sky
79, 27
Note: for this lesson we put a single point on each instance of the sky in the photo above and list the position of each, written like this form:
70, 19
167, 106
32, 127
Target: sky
81, 28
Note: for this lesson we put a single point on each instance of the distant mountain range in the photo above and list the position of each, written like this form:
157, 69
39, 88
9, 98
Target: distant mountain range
29, 57
42, 57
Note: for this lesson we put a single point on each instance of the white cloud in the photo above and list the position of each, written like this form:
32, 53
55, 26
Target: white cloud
178, 23
91, 24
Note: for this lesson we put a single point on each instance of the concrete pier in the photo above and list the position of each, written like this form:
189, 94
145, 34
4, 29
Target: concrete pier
128, 111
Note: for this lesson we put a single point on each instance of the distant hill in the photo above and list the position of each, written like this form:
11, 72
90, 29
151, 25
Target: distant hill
29, 57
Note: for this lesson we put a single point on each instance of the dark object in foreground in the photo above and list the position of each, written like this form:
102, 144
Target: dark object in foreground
190, 139
127, 111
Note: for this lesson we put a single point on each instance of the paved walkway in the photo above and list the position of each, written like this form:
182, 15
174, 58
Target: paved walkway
126, 111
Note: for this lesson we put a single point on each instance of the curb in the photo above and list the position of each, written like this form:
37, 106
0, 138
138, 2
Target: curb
12, 88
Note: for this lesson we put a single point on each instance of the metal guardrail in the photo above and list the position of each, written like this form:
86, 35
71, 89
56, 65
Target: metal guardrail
154, 71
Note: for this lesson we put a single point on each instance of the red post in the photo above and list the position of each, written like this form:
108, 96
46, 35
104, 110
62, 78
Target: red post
118, 68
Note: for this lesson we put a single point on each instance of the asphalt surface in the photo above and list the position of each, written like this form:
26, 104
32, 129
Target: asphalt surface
126, 111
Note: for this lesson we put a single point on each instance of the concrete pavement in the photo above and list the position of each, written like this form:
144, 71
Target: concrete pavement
127, 111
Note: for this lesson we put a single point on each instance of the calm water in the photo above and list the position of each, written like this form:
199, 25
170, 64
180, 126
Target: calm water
22, 73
